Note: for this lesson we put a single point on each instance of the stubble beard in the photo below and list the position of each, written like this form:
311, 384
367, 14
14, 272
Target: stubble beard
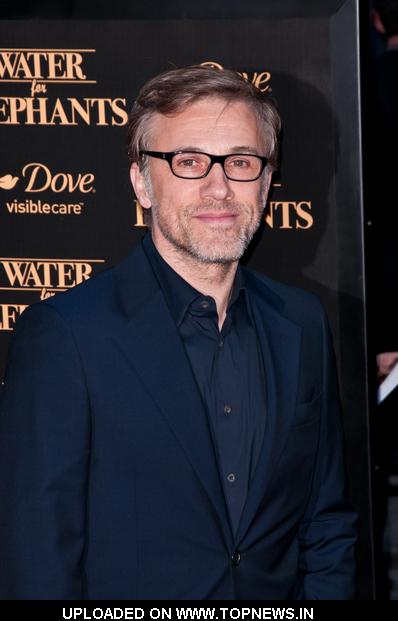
215, 245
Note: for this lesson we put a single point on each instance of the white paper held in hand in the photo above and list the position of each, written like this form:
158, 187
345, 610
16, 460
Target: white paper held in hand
388, 384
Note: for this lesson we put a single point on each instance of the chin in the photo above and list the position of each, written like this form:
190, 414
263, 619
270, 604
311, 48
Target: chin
221, 256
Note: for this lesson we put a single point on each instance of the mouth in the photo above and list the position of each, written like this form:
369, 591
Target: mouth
223, 218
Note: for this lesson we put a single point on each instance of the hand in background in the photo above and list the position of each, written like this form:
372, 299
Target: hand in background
385, 363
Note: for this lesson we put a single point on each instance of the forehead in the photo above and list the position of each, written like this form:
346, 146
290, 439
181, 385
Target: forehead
210, 124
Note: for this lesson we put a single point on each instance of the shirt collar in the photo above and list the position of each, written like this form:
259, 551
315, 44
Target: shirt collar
179, 294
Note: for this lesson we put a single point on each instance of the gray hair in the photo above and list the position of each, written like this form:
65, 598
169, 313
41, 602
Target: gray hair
171, 92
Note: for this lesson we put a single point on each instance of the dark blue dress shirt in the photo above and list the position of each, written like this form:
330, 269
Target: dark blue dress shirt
228, 369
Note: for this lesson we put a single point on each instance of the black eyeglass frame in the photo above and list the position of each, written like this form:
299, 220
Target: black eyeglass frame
214, 159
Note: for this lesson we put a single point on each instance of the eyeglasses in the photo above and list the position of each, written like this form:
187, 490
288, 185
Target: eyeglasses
196, 165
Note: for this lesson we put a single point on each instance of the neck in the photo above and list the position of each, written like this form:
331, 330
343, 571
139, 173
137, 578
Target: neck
212, 279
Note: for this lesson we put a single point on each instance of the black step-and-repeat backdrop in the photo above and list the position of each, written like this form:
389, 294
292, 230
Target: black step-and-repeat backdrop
67, 210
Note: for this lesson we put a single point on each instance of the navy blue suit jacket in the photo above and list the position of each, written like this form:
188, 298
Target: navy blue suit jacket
109, 482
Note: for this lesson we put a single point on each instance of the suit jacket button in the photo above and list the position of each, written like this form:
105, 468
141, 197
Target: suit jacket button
236, 557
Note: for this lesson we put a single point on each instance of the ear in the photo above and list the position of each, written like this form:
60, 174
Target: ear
138, 182
377, 22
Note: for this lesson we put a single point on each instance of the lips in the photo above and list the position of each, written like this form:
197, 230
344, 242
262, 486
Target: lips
222, 217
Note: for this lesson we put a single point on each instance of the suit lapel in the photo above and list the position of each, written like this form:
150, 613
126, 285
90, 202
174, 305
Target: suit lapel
280, 345
152, 346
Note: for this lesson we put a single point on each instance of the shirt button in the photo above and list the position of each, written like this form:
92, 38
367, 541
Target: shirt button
231, 477
204, 304
220, 343
227, 409
236, 558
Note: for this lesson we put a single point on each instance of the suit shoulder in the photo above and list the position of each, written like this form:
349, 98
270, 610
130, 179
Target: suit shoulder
297, 304
94, 304
80, 309
84, 299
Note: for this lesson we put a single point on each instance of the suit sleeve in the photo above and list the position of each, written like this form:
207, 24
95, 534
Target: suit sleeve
328, 530
44, 461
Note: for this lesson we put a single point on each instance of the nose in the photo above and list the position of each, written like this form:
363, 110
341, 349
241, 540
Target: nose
215, 185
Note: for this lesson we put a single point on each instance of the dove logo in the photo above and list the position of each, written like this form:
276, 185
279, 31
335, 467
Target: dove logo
40, 178
260, 79
8, 182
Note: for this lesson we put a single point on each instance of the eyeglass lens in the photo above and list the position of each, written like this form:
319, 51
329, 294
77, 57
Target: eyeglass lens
236, 166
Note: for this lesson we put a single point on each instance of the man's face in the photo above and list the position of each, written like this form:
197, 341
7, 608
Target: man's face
211, 219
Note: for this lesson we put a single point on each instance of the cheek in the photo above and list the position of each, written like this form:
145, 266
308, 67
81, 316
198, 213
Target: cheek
168, 188
175, 196
254, 199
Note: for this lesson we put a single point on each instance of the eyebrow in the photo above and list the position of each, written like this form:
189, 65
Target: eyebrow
235, 149
244, 149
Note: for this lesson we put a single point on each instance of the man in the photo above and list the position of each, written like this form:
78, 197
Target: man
384, 137
170, 429
383, 292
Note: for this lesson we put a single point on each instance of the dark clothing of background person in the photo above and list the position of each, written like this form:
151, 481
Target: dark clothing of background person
383, 292
383, 207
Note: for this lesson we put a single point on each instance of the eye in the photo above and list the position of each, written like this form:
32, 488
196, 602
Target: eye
239, 162
187, 163
190, 161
